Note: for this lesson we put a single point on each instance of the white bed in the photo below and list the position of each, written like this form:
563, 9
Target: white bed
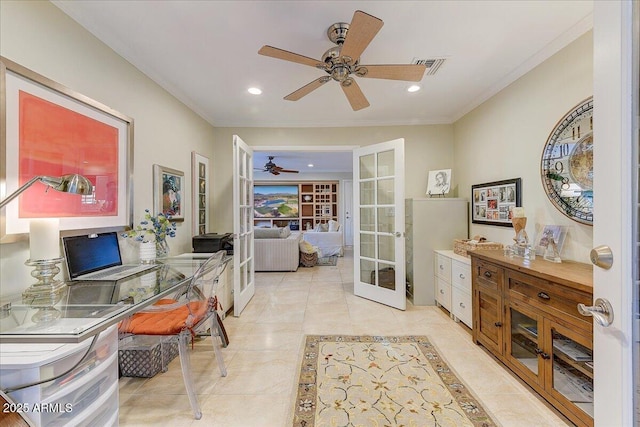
329, 242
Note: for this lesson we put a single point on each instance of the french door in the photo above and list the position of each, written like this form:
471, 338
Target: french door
378, 213
243, 267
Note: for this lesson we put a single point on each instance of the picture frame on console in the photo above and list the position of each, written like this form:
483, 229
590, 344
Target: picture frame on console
168, 192
51, 130
492, 203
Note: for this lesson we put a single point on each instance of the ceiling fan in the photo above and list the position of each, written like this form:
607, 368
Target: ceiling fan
343, 61
274, 169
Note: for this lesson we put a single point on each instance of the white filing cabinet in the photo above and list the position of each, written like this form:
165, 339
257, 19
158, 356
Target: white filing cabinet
225, 290
453, 285
87, 396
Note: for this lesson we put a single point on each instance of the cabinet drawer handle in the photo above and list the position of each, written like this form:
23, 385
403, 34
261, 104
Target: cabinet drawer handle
544, 296
542, 354
498, 324
461, 276
462, 305
441, 291
487, 274
441, 267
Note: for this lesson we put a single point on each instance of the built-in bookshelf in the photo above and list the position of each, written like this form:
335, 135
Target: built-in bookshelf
317, 203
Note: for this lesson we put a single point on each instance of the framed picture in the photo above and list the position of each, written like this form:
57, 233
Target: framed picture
439, 182
168, 192
492, 203
200, 193
556, 232
48, 129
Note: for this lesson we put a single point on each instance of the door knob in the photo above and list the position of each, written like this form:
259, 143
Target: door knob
602, 256
601, 311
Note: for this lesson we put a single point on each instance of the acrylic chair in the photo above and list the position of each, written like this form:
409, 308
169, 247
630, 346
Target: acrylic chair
183, 317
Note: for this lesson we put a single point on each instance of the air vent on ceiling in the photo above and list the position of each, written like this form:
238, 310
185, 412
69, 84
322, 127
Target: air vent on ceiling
432, 64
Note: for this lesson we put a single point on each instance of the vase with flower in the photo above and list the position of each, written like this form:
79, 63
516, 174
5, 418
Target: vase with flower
152, 233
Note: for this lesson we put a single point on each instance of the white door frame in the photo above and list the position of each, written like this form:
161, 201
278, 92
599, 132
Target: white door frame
613, 367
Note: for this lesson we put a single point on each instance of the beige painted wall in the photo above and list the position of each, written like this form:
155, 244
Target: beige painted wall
426, 148
504, 137
39, 36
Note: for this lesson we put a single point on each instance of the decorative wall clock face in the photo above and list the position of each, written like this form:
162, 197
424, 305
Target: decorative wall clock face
567, 164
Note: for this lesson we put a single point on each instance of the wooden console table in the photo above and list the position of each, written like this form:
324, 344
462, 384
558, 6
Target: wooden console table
525, 313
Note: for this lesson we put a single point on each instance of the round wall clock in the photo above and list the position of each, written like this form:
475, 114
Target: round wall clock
567, 164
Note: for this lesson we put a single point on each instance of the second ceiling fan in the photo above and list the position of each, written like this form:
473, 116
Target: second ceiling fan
343, 61
274, 169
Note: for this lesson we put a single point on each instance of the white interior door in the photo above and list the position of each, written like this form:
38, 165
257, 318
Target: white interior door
378, 214
243, 265
613, 195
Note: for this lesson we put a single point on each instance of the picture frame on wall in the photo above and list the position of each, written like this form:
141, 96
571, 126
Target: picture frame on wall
200, 193
492, 203
168, 192
51, 130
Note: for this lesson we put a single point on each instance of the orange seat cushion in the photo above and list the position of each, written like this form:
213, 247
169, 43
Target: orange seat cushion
169, 322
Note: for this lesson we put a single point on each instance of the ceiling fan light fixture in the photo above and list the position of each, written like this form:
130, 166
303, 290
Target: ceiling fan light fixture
254, 91
310, 165
413, 88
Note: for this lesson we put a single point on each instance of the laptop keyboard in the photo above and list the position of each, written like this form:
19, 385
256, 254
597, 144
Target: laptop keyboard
111, 272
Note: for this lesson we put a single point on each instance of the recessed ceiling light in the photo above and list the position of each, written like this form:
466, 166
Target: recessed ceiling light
310, 165
413, 88
254, 91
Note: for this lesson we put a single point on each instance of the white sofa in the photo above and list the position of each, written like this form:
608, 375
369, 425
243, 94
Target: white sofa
273, 253
328, 242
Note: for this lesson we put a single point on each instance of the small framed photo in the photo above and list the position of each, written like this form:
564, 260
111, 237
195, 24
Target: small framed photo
439, 182
492, 203
551, 234
168, 192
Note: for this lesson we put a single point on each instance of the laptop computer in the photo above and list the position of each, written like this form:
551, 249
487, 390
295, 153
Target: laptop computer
97, 257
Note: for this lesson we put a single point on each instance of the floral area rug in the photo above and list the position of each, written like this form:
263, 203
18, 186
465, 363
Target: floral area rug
381, 381
328, 260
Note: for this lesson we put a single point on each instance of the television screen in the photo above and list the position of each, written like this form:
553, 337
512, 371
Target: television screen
275, 201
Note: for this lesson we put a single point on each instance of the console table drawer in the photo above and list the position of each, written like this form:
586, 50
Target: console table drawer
488, 275
549, 296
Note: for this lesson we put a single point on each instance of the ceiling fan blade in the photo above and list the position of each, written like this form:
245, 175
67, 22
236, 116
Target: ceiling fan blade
409, 72
274, 52
274, 172
354, 94
287, 171
306, 89
362, 30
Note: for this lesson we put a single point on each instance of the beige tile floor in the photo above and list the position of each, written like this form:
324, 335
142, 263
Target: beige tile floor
262, 357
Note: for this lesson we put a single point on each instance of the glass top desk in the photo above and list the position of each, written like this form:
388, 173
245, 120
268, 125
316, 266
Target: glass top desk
88, 308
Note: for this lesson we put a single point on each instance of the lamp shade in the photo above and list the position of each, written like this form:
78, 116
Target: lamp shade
74, 183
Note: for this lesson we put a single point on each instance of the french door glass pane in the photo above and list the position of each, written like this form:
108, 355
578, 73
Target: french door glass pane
524, 340
386, 276
367, 219
386, 248
386, 191
386, 220
367, 193
386, 164
573, 371
367, 166
366, 269
368, 245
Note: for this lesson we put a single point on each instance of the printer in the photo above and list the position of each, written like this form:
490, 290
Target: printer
213, 242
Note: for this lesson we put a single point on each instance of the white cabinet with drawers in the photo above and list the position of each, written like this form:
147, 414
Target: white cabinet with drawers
453, 284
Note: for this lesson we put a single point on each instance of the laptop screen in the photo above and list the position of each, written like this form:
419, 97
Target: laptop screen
86, 254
